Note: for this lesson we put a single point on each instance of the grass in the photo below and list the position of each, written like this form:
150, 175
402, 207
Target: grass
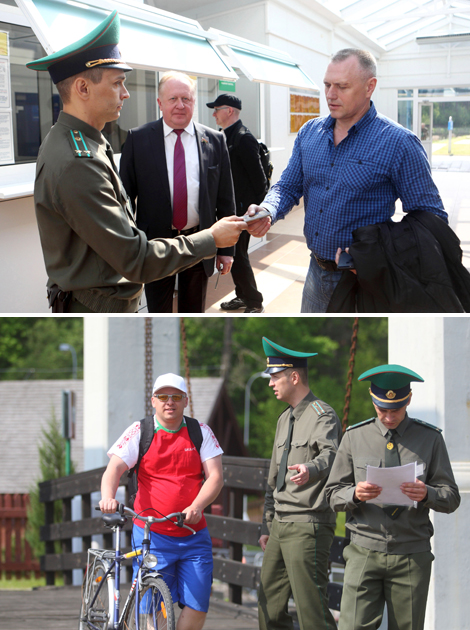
24, 584
456, 148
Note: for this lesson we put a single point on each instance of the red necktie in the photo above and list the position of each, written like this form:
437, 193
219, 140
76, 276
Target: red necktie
180, 192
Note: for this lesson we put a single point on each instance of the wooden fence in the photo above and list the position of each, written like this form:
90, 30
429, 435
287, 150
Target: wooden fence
241, 476
16, 558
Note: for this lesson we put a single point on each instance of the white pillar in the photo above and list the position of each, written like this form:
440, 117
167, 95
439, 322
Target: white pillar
438, 349
114, 381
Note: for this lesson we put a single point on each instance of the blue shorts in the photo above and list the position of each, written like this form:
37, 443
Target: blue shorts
185, 563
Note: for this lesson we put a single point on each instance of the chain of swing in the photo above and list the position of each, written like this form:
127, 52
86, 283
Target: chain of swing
149, 366
352, 358
149, 370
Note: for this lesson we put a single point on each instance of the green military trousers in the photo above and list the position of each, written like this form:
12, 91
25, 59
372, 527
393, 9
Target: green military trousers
372, 578
296, 563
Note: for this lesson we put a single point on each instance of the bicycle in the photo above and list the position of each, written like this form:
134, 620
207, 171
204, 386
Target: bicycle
149, 605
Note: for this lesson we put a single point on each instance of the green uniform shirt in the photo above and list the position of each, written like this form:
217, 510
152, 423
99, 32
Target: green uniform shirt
315, 439
370, 527
90, 242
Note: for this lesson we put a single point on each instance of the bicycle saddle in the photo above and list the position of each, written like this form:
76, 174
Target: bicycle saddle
114, 520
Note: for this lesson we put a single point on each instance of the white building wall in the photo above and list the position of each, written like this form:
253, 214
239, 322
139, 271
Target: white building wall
438, 349
23, 275
114, 382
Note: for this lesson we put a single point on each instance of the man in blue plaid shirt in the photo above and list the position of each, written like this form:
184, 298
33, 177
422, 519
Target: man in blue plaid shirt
350, 167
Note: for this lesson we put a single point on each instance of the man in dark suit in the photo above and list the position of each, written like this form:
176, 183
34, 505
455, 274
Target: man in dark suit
250, 184
177, 174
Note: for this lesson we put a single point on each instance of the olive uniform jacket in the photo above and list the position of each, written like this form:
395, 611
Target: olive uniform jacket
315, 439
90, 242
364, 444
144, 174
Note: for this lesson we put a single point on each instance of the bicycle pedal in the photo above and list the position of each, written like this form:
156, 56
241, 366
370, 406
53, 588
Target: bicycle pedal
96, 615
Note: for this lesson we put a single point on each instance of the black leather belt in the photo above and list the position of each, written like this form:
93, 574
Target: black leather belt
187, 232
326, 265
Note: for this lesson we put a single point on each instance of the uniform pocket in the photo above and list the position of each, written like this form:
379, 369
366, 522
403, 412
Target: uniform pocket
360, 467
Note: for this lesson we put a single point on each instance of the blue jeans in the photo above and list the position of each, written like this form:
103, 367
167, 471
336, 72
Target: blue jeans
318, 288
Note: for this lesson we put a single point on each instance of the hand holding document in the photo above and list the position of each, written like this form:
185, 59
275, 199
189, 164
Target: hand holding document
390, 480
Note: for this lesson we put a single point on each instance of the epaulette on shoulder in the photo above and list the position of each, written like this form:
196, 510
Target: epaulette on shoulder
78, 144
360, 424
426, 424
316, 404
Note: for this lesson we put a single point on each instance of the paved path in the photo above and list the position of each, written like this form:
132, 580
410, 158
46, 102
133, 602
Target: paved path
57, 608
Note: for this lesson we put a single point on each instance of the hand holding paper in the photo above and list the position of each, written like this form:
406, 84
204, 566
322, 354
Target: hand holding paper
391, 480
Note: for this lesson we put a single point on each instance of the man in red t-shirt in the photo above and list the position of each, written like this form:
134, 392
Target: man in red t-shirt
170, 479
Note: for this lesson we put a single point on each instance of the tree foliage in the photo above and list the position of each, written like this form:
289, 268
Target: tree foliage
52, 466
330, 337
29, 347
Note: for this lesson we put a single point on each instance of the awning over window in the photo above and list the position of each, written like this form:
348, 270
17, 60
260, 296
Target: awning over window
150, 39
262, 63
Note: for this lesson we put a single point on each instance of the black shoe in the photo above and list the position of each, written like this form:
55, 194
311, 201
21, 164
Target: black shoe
254, 309
233, 305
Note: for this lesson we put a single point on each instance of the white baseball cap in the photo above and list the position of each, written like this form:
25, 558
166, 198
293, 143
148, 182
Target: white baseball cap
170, 380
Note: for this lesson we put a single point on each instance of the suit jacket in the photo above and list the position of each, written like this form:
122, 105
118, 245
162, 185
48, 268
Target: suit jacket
145, 177
249, 179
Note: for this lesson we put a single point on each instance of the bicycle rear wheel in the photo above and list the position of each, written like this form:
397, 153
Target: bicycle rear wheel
155, 606
97, 612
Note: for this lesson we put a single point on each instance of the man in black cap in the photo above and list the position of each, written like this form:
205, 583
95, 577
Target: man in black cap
95, 256
250, 184
389, 558
298, 524
177, 175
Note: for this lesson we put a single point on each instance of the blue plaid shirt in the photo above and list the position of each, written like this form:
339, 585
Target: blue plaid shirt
355, 183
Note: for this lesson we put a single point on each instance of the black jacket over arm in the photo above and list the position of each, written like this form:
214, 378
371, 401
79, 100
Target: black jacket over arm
414, 266
144, 174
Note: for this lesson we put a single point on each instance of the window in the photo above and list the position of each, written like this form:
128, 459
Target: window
35, 103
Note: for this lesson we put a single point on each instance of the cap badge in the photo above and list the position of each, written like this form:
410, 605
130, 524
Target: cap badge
391, 394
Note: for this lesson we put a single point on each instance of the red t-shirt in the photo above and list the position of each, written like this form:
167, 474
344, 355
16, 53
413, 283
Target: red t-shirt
170, 478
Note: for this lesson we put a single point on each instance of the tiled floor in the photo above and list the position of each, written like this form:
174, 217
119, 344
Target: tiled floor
280, 267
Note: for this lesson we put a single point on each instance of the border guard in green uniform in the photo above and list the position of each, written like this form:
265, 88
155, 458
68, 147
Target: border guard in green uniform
95, 257
389, 558
298, 524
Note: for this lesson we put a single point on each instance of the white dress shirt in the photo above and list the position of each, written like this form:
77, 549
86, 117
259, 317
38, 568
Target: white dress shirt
191, 156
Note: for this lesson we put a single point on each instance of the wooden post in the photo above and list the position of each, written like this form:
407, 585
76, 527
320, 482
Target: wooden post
235, 549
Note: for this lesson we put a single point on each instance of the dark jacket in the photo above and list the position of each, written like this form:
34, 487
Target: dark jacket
414, 266
249, 179
145, 177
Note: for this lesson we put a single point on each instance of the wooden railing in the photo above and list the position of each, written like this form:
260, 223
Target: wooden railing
241, 476
16, 558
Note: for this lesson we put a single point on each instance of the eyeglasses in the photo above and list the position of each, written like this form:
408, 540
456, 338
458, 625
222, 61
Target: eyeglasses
217, 109
174, 397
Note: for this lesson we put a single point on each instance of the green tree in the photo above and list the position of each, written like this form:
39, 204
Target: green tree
29, 347
328, 336
51, 450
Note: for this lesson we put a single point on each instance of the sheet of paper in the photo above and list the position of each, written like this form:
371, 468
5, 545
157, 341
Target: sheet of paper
390, 480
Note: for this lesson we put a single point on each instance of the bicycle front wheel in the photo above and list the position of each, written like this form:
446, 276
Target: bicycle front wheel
155, 607
95, 610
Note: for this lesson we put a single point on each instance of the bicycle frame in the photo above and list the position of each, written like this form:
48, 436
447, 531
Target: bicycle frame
112, 561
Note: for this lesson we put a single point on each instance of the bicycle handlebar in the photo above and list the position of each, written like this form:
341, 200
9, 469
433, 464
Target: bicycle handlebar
122, 509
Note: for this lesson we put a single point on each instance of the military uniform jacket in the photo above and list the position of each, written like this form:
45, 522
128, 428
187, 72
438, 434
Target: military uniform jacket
90, 242
370, 527
315, 439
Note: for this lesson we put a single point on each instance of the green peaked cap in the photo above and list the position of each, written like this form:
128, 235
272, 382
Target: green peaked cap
97, 49
270, 348
390, 376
